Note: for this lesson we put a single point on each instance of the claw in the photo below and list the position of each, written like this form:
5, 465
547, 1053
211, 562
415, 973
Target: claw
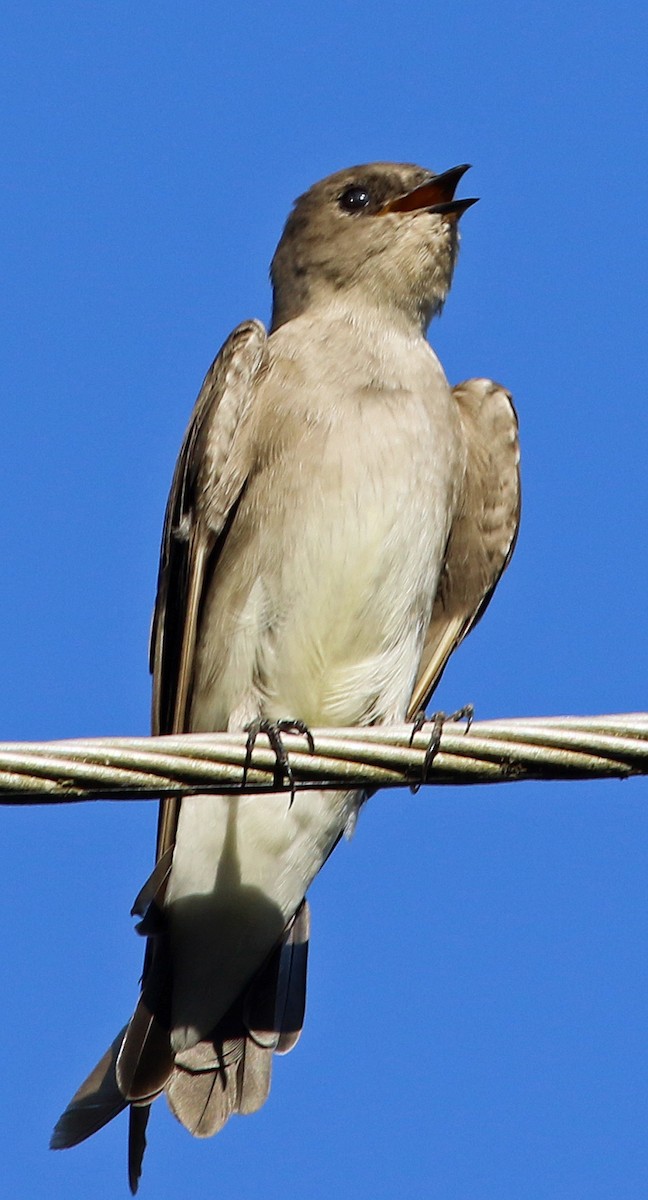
298, 727
417, 724
273, 731
438, 720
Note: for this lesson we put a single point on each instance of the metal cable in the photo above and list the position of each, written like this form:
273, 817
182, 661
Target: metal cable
489, 752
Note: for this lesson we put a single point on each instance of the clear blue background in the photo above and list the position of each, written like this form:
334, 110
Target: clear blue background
477, 1023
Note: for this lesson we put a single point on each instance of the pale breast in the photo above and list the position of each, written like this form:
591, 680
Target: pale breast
320, 602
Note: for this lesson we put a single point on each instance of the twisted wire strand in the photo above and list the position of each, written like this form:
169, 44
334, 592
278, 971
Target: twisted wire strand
497, 751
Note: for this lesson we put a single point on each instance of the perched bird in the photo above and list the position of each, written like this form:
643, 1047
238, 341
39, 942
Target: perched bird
338, 520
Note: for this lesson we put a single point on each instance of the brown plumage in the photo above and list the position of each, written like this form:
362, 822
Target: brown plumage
484, 531
338, 520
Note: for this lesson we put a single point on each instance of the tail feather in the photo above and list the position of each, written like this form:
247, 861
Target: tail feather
203, 1101
231, 1071
275, 1004
253, 1078
227, 1073
138, 1120
290, 1001
235, 1079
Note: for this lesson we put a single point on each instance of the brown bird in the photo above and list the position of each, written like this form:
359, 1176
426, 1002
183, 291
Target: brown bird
338, 520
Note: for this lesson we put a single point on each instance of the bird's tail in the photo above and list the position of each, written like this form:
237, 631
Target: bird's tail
228, 1072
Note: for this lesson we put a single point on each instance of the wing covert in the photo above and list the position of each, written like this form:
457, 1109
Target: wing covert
208, 481
484, 531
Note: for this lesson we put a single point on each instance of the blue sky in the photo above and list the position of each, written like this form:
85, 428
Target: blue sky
479, 976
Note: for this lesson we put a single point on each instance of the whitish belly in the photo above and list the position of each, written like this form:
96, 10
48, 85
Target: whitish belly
320, 604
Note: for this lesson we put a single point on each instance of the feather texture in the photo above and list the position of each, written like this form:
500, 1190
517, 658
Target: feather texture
484, 530
337, 522
96, 1102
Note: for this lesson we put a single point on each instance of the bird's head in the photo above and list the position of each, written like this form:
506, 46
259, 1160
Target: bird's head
384, 234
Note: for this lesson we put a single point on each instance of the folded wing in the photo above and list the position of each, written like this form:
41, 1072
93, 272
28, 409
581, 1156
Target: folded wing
483, 534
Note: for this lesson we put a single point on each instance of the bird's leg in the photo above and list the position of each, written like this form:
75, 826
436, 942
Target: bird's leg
438, 720
273, 731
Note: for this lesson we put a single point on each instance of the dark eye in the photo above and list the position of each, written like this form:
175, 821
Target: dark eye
354, 199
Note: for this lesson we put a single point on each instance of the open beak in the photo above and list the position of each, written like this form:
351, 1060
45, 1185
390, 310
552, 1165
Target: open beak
434, 196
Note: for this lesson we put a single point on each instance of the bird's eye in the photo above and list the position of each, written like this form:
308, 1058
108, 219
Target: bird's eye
354, 199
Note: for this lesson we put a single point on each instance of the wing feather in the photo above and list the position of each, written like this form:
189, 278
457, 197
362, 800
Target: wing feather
209, 478
207, 483
96, 1102
483, 534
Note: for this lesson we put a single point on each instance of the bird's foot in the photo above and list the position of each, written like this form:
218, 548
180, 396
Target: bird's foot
438, 720
273, 731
